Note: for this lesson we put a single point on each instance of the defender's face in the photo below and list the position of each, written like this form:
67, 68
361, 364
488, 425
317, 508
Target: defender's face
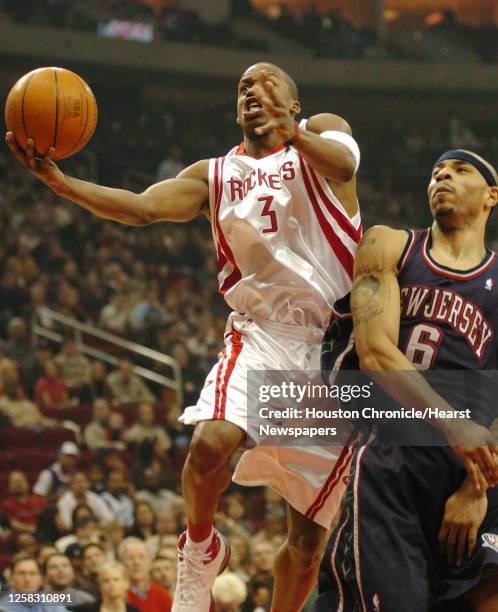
456, 187
250, 113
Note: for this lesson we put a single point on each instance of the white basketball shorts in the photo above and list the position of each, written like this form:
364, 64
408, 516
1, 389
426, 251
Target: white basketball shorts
312, 479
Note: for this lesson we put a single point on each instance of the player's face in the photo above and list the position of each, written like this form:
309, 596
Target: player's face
457, 190
250, 113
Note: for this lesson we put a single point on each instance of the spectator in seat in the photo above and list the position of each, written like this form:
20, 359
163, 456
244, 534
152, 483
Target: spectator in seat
44, 552
148, 314
148, 597
163, 573
98, 376
19, 505
262, 556
229, 592
112, 536
26, 543
58, 576
172, 164
25, 578
85, 531
79, 493
53, 481
10, 380
166, 525
145, 518
105, 428
75, 370
18, 346
24, 413
158, 498
50, 526
145, 430
113, 584
115, 496
51, 390
126, 387
93, 557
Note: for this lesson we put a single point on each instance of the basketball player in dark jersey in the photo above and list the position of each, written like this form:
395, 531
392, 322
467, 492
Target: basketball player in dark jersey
419, 532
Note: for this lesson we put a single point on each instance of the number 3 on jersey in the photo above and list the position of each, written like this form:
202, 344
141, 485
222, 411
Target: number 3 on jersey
267, 212
422, 345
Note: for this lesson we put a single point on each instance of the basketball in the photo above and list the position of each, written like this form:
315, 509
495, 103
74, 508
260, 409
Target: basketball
54, 107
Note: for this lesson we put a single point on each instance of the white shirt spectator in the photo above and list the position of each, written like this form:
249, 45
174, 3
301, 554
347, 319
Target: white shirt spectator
121, 505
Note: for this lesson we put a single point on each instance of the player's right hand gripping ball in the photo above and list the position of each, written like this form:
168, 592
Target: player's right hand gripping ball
54, 107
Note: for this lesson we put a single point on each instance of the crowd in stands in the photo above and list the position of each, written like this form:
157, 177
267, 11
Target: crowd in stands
439, 37
91, 454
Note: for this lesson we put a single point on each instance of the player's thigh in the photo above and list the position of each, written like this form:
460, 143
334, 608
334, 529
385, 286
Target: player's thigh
305, 537
214, 442
484, 596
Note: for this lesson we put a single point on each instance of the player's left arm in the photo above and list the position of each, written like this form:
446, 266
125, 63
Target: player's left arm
326, 143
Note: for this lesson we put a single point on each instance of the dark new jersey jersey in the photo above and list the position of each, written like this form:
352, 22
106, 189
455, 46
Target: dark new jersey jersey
448, 319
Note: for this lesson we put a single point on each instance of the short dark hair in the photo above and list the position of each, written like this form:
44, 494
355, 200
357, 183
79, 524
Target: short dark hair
92, 545
20, 557
57, 554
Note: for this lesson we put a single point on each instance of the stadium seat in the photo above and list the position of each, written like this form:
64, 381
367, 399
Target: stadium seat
19, 437
53, 437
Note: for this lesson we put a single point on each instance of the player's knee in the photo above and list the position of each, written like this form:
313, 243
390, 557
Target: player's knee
208, 452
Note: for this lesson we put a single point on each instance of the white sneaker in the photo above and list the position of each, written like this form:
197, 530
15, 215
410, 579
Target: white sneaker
197, 571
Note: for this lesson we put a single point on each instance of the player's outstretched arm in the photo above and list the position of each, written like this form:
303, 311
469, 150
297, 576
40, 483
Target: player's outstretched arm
375, 304
180, 199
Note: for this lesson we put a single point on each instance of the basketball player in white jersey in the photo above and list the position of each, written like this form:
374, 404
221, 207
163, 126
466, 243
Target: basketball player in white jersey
286, 224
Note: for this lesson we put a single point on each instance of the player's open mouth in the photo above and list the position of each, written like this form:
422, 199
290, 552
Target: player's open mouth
252, 109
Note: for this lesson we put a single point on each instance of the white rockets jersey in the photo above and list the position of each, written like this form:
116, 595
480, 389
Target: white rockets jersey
285, 244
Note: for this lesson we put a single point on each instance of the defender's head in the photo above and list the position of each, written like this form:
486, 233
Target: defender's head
250, 114
462, 189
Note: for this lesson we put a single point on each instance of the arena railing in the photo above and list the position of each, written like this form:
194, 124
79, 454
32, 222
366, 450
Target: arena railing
54, 326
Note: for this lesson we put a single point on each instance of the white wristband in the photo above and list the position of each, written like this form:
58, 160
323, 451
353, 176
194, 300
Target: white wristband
348, 141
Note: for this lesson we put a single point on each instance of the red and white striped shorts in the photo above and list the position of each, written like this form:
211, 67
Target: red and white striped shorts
311, 479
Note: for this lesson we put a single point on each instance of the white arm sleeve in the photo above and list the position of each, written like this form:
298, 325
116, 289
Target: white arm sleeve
347, 141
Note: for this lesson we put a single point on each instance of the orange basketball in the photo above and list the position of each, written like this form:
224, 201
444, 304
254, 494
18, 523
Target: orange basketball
54, 107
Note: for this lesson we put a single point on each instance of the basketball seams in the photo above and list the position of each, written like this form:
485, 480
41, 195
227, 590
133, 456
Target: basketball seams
22, 107
67, 153
56, 122
87, 93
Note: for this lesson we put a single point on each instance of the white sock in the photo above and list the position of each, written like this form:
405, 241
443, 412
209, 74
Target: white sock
200, 545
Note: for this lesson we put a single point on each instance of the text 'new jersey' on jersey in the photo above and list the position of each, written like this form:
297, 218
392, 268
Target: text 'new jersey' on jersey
284, 242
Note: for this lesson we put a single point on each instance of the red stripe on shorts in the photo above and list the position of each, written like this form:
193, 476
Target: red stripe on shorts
334, 477
221, 389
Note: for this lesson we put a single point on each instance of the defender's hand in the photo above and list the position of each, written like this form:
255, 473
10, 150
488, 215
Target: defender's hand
476, 446
464, 513
42, 167
281, 121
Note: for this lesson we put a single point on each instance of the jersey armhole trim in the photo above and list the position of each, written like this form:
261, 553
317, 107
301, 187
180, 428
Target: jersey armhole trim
407, 249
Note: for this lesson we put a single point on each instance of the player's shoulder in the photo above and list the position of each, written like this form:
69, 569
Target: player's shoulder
385, 242
324, 122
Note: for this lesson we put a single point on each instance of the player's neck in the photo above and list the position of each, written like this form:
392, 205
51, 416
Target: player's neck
463, 248
259, 147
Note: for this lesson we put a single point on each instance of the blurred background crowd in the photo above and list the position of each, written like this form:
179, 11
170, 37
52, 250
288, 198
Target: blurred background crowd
91, 453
